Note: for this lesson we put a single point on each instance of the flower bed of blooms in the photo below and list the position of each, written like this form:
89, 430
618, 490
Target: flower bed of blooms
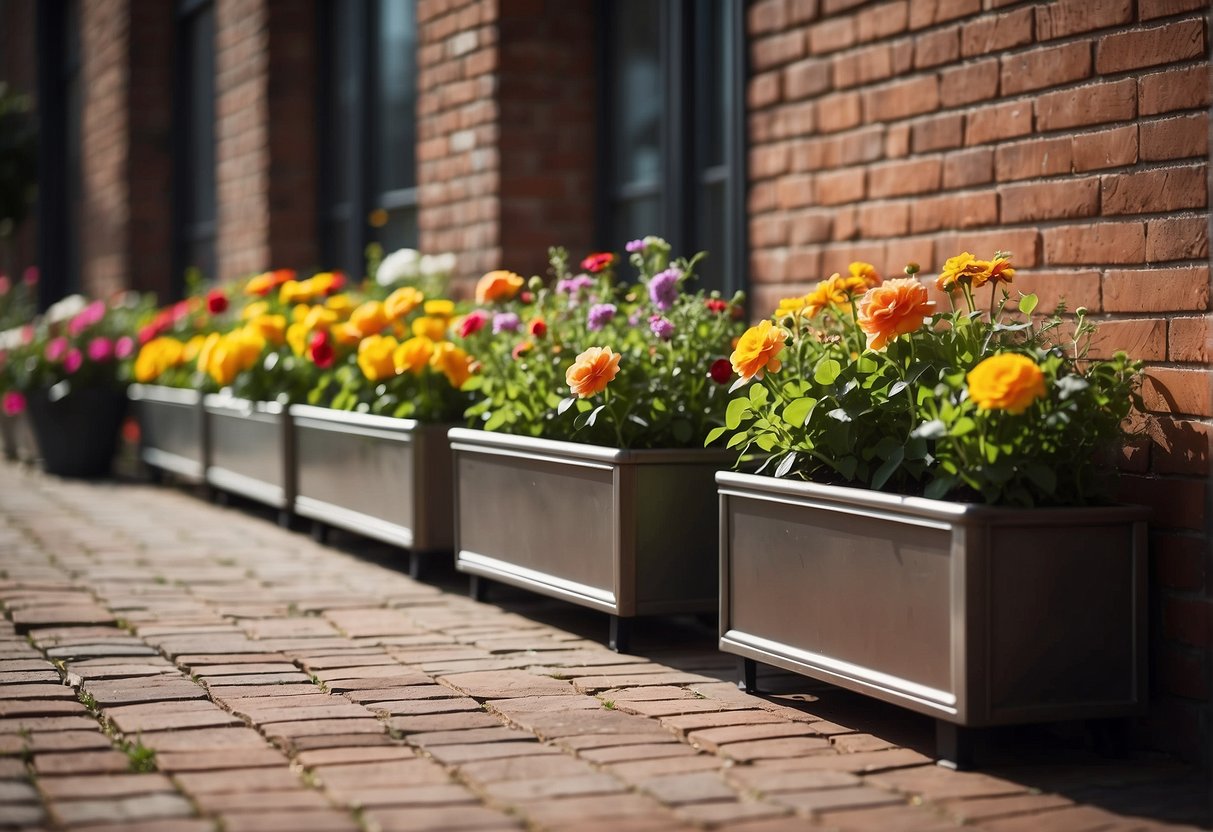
862, 381
589, 358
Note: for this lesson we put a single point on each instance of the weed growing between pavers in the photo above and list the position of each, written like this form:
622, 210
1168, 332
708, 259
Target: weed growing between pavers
139, 756
609, 704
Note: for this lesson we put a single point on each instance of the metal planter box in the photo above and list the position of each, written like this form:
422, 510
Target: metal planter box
977, 616
250, 451
625, 532
385, 478
171, 434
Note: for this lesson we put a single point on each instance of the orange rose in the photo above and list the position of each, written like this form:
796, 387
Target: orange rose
592, 371
498, 285
1006, 381
757, 351
453, 363
894, 308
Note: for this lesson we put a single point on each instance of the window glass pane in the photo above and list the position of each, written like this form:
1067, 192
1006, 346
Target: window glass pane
638, 103
634, 219
400, 230
711, 60
711, 235
202, 115
340, 89
396, 88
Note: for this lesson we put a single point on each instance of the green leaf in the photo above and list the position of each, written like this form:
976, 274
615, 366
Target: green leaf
682, 431
1027, 303
886, 470
737, 409
938, 488
1043, 476
847, 466
962, 426
496, 421
758, 395
737, 439
714, 434
827, 371
766, 441
797, 413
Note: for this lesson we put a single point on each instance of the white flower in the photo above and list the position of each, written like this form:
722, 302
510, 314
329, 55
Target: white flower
397, 266
68, 307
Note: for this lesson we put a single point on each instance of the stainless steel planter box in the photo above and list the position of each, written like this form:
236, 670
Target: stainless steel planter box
975, 615
385, 478
250, 450
171, 434
626, 532
18, 438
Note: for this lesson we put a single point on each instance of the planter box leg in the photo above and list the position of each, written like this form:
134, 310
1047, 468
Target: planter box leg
747, 680
477, 588
220, 498
320, 532
953, 745
620, 639
417, 565
286, 519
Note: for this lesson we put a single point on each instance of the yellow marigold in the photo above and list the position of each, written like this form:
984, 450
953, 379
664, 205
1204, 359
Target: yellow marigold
894, 308
962, 269
375, 357
297, 335
865, 272
232, 354
402, 301
299, 311
323, 282
204, 353
498, 285
413, 355
319, 317
757, 351
1000, 269
432, 328
157, 356
294, 291
255, 309
346, 334
340, 304
260, 285
271, 327
1006, 381
369, 318
440, 307
791, 307
452, 362
192, 347
833, 291
592, 371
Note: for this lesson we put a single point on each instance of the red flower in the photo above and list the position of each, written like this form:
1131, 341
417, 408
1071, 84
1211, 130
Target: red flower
521, 349
538, 328
598, 261
716, 305
216, 302
320, 350
721, 371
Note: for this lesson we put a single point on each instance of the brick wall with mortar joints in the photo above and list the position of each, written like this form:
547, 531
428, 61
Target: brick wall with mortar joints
1072, 133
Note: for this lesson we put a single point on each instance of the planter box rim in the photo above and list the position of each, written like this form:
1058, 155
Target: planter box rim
163, 393
925, 507
469, 439
369, 420
230, 403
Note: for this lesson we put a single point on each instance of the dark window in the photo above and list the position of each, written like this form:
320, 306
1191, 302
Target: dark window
672, 159
368, 128
195, 226
73, 169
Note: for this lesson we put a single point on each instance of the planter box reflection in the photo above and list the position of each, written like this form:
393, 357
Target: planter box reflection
171, 434
974, 615
250, 451
625, 532
385, 478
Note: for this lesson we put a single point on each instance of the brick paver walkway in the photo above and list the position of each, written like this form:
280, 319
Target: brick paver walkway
169, 665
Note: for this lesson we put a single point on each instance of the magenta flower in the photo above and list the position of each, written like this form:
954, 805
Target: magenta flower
30, 277
5, 284
573, 285
473, 322
634, 246
13, 402
662, 327
56, 349
73, 361
663, 289
600, 315
100, 349
124, 347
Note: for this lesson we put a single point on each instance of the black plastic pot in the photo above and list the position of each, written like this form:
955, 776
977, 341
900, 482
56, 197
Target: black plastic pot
78, 433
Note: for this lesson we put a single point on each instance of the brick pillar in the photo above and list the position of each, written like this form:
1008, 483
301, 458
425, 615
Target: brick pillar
1073, 134
497, 183
265, 153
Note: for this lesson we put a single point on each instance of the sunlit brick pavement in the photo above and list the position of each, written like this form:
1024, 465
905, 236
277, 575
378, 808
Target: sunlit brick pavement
169, 665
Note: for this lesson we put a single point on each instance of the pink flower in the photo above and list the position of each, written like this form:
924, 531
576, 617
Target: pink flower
474, 321
124, 348
56, 349
27, 334
5, 284
73, 361
30, 277
89, 316
100, 349
13, 402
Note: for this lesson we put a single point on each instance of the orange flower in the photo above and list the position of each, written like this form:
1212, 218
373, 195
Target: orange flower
402, 301
413, 355
270, 327
440, 308
1000, 268
833, 291
453, 363
592, 371
498, 285
865, 272
894, 308
961, 269
757, 351
432, 328
369, 318
1006, 381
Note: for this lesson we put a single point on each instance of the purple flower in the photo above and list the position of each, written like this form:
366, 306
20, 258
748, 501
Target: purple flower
663, 289
662, 327
506, 322
635, 246
600, 315
73, 360
573, 285
100, 349
56, 349
124, 347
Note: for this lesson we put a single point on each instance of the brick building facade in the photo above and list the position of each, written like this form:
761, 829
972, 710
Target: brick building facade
1072, 133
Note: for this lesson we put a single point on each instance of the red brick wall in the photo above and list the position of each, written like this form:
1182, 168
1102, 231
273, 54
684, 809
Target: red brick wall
497, 183
1073, 134
265, 128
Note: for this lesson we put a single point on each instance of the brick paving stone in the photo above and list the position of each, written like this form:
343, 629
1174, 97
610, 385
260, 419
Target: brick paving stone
66, 741
443, 722
206, 671
57, 615
11, 768
36, 691
411, 796
248, 758
863, 762
580, 741
730, 812
853, 743
933, 783
103, 785
110, 693
142, 807
260, 801
324, 728
45, 724
778, 748
25, 815
237, 781
254, 691
399, 680
693, 787
288, 628
293, 677
711, 739
685, 723
81, 762
20, 677
157, 825
590, 684
516, 791
287, 713
338, 756
847, 797
766, 780
204, 739
472, 752
17, 791
12, 665
297, 744
414, 771
564, 810
1066, 819
375, 671
643, 694
315, 663
417, 707
525, 768
888, 819
505, 684
131, 723
637, 770
85, 651
498, 733
674, 707
649, 751
252, 705
207, 659
979, 810
438, 819
290, 820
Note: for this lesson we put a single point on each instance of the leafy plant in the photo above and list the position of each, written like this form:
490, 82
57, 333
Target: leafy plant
864, 383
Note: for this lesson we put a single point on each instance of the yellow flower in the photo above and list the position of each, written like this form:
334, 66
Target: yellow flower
297, 335
192, 347
208, 347
963, 269
833, 291
1000, 268
323, 282
341, 304
432, 328
254, 310
452, 362
865, 272
271, 327
402, 301
319, 318
757, 351
232, 354
498, 285
157, 356
1006, 381
369, 318
440, 308
791, 307
346, 334
592, 371
375, 357
299, 311
413, 355
293, 291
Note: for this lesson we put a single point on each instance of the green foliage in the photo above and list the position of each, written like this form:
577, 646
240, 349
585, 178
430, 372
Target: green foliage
903, 419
